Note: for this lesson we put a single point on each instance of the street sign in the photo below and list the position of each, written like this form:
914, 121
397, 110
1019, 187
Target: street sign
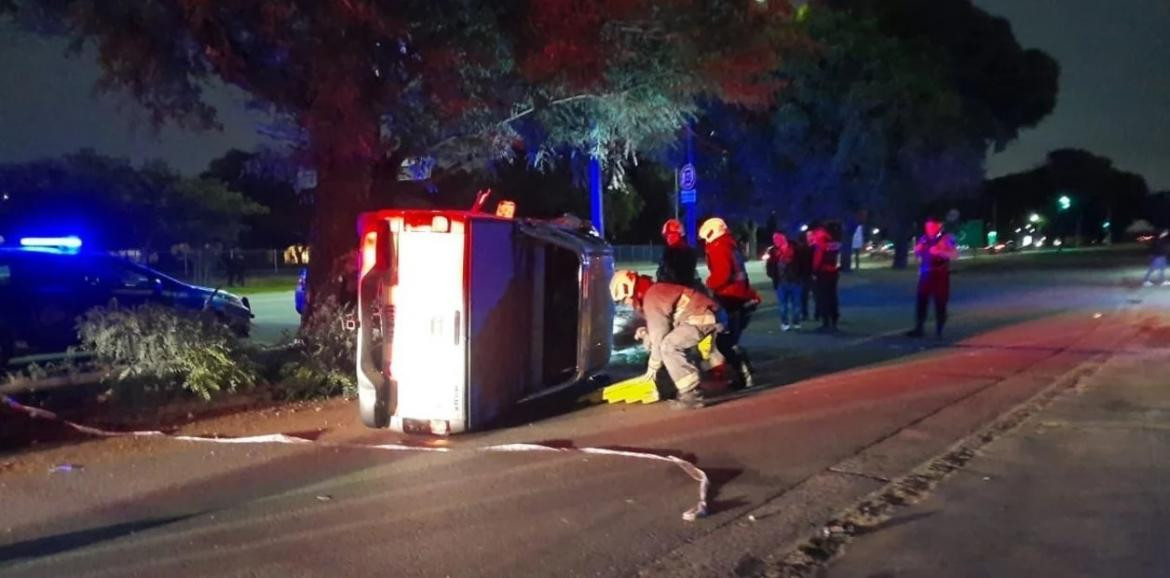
686, 197
306, 179
416, 168
686, 177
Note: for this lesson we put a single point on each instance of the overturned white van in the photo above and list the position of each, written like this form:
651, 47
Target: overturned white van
463, 315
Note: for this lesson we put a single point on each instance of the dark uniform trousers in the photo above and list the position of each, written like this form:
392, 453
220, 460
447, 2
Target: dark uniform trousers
935, 285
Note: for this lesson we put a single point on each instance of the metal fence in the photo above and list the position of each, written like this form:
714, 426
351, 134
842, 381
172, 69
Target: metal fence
637, 253
212, 266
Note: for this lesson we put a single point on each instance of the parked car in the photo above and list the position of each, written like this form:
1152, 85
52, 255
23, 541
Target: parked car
346, 271
301, 294
43, 291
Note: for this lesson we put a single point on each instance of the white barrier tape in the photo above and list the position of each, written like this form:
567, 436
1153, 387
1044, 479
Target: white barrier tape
697, 474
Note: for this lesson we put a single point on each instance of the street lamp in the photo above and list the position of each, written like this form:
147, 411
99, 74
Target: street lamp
1064, 203
1034, 218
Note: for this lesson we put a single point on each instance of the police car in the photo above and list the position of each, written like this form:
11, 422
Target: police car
46, 284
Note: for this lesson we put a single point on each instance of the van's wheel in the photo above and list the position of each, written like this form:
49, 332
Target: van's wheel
374, 403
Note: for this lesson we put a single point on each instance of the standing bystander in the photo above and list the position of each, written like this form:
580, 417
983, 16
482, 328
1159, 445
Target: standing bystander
826, 275
782, 269
935, 251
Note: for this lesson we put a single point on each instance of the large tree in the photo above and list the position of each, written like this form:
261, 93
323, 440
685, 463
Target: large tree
267, 178
373, 83
892, 105
1098, 191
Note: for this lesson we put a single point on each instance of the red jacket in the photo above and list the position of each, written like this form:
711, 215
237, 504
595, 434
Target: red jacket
826, 252
726, 277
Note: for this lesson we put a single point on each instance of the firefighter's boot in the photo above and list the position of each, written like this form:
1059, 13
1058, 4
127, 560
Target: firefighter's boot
692, 399
745, 370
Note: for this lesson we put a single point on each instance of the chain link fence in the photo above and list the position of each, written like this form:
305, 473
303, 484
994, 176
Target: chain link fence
637, 253
215, 267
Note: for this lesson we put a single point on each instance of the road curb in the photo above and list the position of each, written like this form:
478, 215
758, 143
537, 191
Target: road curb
798, 532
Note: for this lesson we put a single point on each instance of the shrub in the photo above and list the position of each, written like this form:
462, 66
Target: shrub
323, 355
159, 348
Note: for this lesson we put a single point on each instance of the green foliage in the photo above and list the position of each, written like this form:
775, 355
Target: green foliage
204, 211
164, 350
323, 355
153, 207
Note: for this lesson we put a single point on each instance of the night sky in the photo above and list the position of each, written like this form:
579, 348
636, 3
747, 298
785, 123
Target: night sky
1115, 81
1114, 101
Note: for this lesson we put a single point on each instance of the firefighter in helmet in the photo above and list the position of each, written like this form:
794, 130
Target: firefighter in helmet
679, 261
728, 282
677, 319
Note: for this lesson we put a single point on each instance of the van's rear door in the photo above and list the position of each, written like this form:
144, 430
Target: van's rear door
429, 360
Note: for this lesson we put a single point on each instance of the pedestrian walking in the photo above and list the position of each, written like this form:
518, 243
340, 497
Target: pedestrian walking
729, 284
679, 260
1159, 252
782, 269
935, 251
826, 275
677, 319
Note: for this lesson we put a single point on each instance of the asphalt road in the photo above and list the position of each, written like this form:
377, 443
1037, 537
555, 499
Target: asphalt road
865, 397
275, 316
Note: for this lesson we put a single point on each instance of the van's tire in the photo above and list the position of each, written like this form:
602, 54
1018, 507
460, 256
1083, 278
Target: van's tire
374, 403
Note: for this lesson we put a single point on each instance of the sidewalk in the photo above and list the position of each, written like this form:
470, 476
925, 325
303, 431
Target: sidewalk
1081, 489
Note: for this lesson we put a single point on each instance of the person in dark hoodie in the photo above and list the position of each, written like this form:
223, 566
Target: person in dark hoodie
784, 271
729, 285
826, 253
679, 260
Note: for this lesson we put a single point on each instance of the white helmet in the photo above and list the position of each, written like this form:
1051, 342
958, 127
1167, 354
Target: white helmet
621, 287
712, 229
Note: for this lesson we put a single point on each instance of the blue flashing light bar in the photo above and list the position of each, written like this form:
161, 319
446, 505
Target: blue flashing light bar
56, 242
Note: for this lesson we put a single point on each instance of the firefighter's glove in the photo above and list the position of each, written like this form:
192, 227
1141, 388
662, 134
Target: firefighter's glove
652, 370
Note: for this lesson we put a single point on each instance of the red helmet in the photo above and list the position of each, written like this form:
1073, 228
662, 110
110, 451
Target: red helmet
673, 226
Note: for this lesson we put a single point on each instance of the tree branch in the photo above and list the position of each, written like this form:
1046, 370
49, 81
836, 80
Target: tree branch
515, 117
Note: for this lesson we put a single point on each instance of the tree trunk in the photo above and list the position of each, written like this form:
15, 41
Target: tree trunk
848, 228
345, 146
342, 194
753, 240
902, 231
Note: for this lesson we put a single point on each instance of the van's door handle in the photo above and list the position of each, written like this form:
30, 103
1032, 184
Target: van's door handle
458, 328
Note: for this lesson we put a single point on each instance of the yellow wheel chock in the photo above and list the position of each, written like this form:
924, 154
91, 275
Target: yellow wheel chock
641, 390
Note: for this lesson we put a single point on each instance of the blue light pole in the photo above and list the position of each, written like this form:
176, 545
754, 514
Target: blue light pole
596, 202
688, 195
